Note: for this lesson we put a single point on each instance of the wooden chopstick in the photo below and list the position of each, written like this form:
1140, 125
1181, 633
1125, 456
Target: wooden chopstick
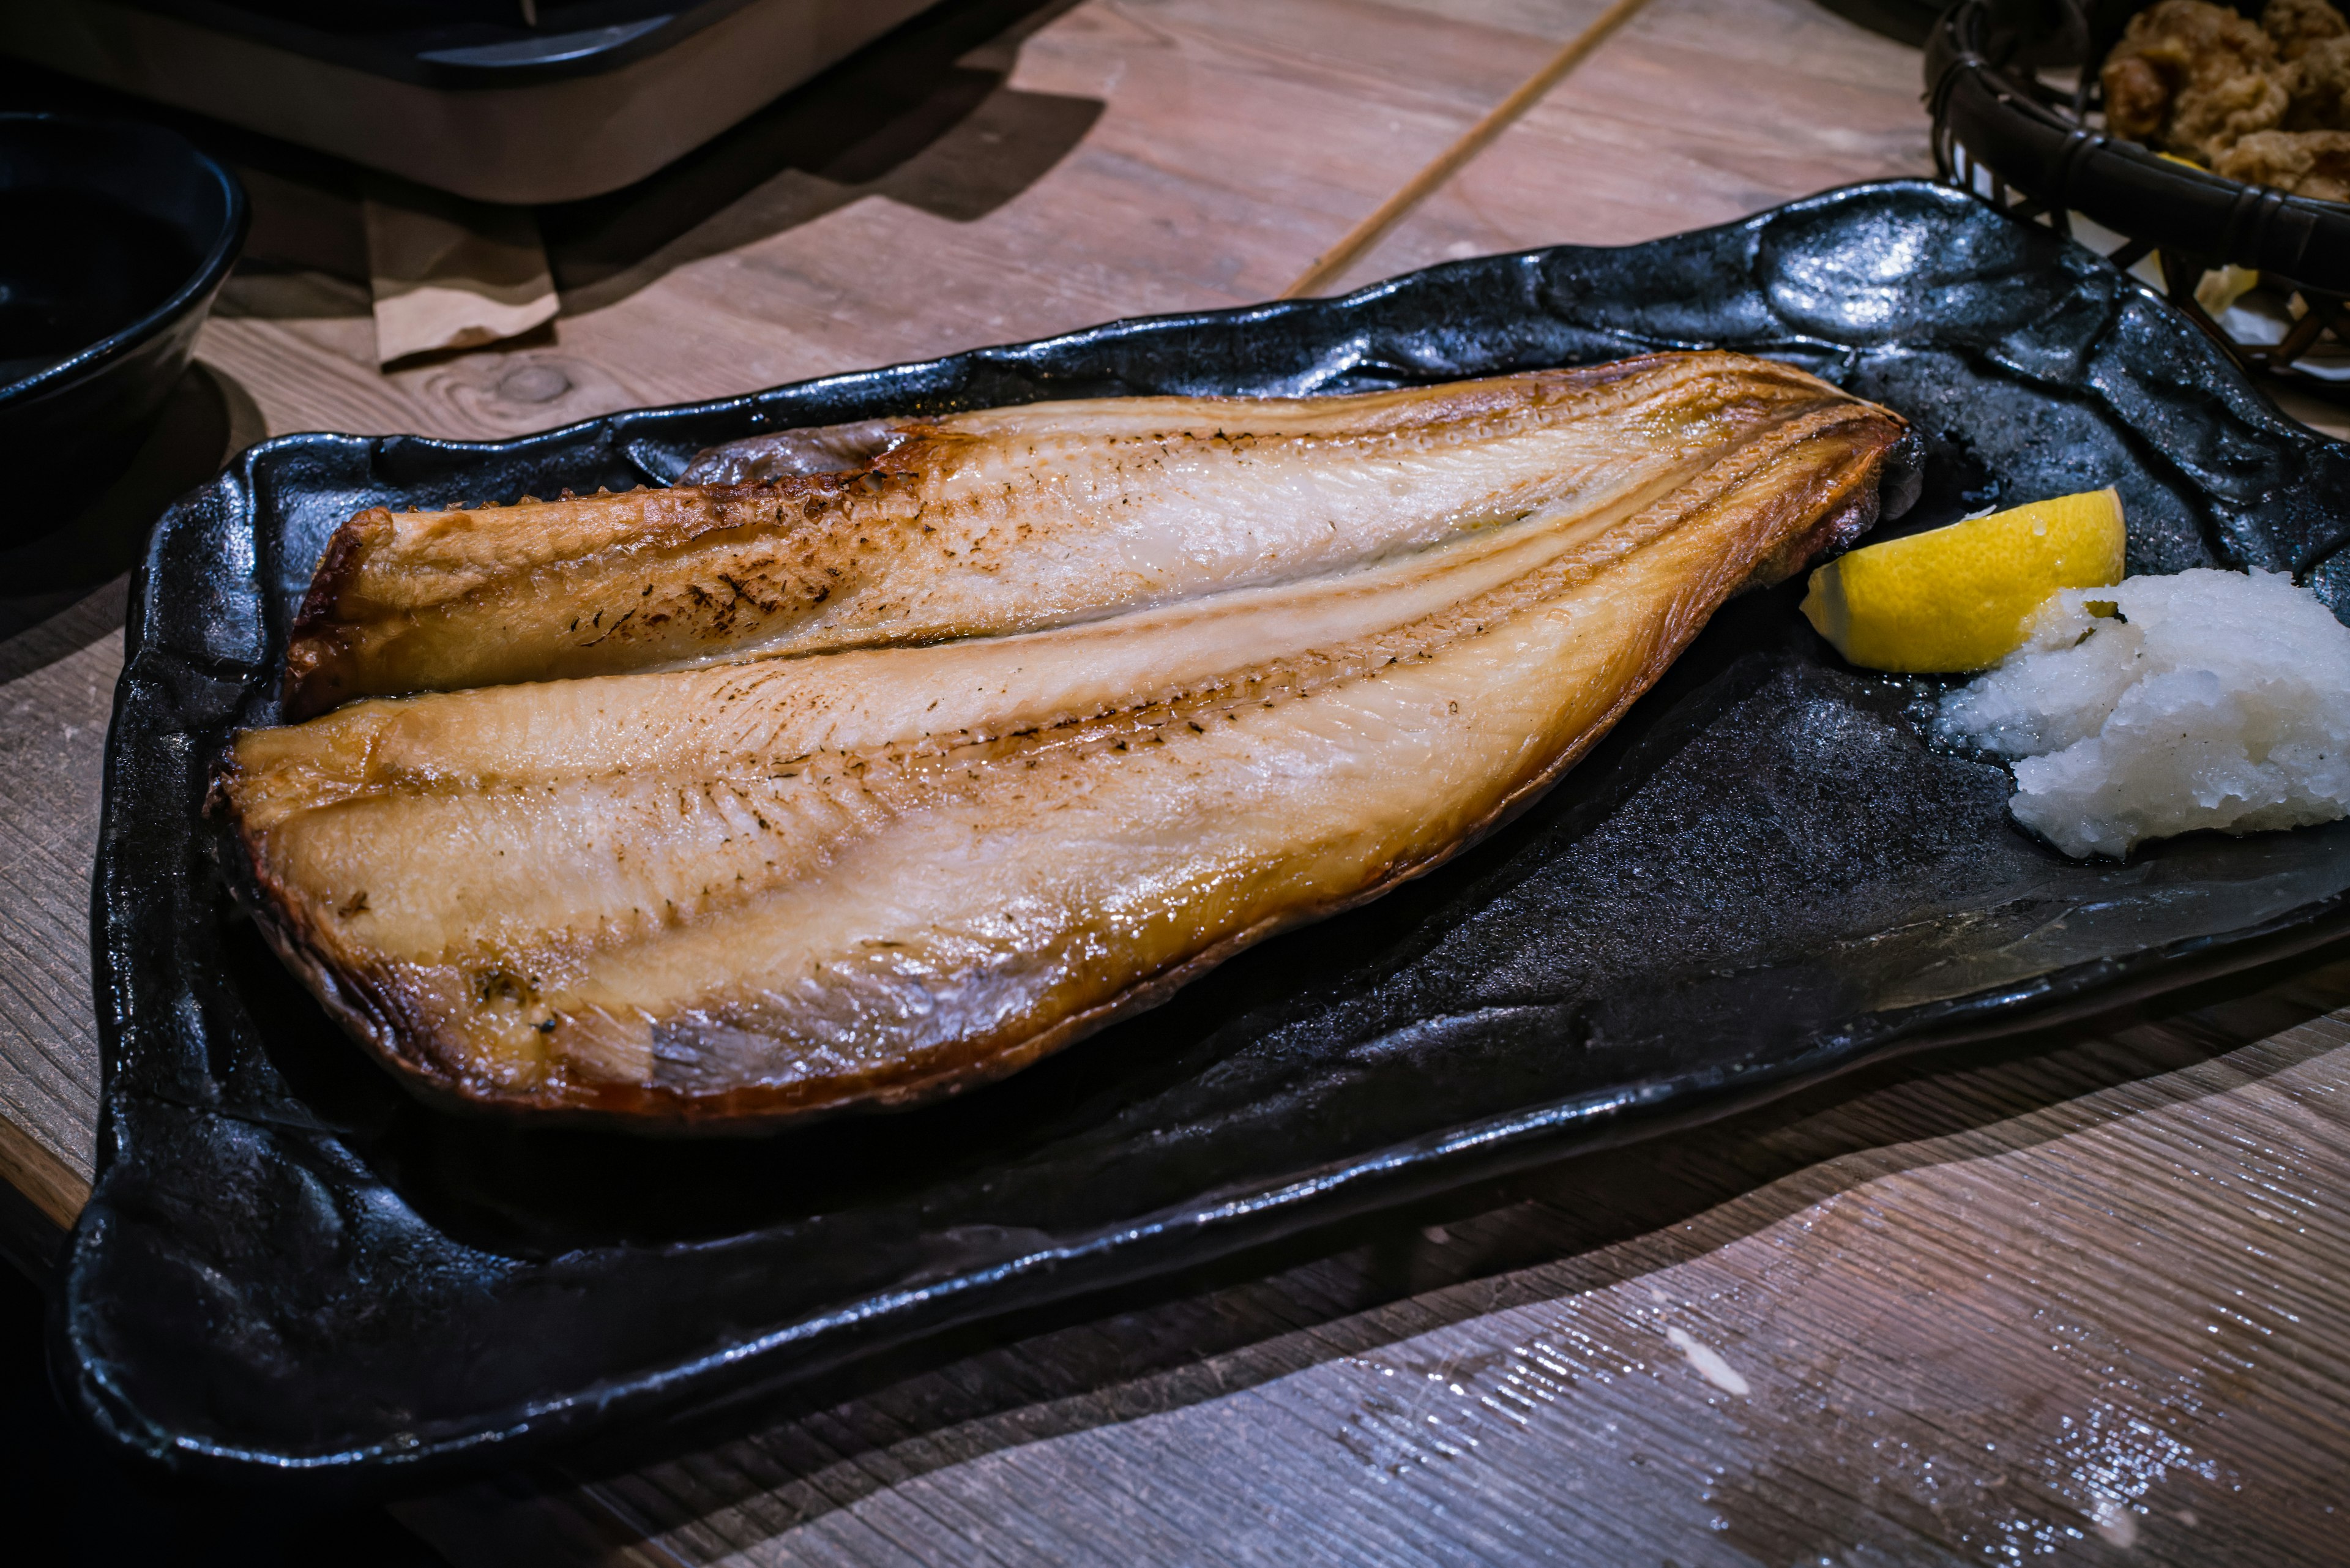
1392, 212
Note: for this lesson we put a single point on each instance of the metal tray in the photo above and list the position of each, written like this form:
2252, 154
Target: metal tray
1762, 876
597, 99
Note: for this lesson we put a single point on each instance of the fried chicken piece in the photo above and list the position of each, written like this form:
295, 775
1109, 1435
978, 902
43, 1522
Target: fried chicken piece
2206, 122
2267, 103
2137, 97
2295, 24
2318, 85
2305, 163
2192, 77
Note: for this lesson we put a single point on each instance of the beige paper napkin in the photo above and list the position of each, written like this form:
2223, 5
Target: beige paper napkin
452, 274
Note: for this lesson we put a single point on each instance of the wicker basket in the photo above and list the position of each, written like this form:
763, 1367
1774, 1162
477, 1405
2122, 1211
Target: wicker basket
2009, 126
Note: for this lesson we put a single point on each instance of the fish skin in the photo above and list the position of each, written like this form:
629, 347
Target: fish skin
717, 897
998, 521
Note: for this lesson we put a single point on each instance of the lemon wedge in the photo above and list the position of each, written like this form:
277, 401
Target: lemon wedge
1961, 597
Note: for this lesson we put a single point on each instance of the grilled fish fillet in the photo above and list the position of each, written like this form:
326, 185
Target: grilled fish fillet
1000, 521
779, 884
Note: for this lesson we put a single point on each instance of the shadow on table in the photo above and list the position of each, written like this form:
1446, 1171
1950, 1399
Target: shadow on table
52, 1469
922, 116
1351, 1290
62, 584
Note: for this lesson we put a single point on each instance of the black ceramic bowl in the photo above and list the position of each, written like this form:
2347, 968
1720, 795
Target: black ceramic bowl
114, 237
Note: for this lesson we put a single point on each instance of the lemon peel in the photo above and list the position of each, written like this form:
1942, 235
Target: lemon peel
1962, 598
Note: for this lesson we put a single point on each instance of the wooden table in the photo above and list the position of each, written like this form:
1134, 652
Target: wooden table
2079, 1297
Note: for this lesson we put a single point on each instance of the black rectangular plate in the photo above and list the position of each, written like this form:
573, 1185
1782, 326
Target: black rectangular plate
1764, 876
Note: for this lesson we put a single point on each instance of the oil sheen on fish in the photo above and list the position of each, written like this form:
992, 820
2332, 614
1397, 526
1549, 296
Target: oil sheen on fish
999, 520
779, 884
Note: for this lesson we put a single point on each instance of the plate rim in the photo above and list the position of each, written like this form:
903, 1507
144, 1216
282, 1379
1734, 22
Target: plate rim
1250, 1213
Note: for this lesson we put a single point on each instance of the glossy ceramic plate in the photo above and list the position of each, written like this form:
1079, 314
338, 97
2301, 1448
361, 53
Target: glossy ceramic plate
1764, 875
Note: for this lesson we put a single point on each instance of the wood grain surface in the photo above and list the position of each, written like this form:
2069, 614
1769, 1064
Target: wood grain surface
2078, 1303
59, 686
2078, 1299
1405, 199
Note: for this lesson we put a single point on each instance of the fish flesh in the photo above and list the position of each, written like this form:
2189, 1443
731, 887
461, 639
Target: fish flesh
868, 854
891, 533
779, 884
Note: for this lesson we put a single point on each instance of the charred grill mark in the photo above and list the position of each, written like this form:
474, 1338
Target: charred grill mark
614, 631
